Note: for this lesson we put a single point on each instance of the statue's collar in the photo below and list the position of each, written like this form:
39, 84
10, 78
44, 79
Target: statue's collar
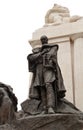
38, 49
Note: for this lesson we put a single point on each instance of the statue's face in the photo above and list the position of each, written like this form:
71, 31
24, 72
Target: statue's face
44, 40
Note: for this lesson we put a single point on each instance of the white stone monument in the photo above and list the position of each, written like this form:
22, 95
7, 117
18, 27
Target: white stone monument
67, 32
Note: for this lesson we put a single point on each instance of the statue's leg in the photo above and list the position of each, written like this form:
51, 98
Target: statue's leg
43, 98
50, 98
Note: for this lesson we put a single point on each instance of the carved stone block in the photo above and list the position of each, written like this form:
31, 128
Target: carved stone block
47, 122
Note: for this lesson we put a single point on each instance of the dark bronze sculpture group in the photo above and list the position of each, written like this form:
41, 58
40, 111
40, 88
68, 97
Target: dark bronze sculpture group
46, 95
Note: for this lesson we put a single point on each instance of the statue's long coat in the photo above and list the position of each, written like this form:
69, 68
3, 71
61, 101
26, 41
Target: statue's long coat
45, 69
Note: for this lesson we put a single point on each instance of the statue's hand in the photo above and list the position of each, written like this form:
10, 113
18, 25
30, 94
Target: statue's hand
54, 59
44, 51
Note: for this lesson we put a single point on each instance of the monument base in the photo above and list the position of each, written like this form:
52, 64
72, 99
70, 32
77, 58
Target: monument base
47, 122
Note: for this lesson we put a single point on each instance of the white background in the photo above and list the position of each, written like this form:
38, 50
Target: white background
18, 20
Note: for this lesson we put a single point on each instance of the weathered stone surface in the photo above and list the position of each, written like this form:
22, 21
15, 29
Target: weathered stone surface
47, 122
78, 71
6, 127
59, 15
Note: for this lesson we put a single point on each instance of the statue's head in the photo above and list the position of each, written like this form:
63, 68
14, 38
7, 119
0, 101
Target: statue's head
44, 39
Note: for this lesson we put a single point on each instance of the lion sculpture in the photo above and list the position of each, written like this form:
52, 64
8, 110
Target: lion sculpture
8, 104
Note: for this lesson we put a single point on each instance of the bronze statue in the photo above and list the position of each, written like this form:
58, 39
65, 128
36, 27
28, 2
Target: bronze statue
47, 83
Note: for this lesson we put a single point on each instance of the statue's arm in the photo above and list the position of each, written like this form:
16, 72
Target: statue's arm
32, 61
33, 57
54, 55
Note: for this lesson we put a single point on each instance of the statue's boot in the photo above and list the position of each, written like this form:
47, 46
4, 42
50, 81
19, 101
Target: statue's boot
43, 112
50, 110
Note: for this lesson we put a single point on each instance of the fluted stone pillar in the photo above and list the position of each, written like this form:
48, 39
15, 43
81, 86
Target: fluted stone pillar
64, 59
78, 71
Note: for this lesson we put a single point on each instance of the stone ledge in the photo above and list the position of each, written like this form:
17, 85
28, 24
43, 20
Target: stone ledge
47, 122
63, 30
60, 40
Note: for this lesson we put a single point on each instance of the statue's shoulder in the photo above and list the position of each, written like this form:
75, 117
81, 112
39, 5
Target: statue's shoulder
51, 46
36, 50
54, 47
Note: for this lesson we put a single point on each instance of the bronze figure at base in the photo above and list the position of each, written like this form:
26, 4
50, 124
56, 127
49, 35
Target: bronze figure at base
47, 83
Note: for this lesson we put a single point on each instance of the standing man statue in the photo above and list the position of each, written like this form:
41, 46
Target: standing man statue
47, 83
